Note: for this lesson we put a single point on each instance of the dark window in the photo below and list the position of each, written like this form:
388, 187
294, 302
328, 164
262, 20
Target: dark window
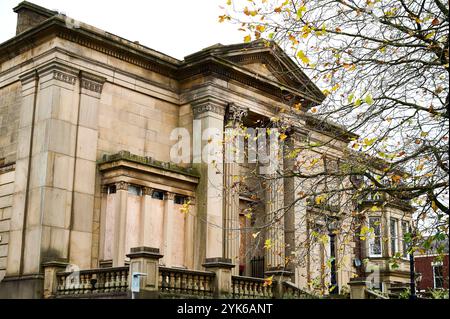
111, 189
135, 190
180, 199
438, 276
158, 195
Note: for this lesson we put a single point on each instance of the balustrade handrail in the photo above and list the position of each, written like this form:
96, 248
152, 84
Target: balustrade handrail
94, 270
187, 271
93, 281
296, 291
251, 287
184, 282
254, 279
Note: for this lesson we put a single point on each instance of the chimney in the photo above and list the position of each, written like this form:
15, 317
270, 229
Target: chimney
30, 15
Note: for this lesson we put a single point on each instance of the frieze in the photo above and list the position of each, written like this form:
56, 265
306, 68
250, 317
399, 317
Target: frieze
64, 77
208, 107
91, 85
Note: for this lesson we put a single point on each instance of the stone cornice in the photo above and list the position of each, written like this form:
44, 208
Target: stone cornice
148, 161
122, 49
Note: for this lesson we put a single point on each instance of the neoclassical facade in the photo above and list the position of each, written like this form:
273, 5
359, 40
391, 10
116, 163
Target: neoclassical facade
86, 119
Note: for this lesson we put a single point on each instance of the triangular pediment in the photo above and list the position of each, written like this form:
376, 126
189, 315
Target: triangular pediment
272, 63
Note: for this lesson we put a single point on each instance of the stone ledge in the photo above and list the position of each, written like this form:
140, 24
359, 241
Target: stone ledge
218, 262
148, 161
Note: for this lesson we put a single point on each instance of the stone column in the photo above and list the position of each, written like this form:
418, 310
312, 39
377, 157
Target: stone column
120, 224
51, 268
233, 119
146, 216
289, 199
167, 227
275, 256
84, 170
42, 201
145, 260
208, 159
189, 235
222, 280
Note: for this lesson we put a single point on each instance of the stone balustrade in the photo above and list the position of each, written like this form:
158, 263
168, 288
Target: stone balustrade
93, 281
157, 281
290, 291
177, 282
250, 288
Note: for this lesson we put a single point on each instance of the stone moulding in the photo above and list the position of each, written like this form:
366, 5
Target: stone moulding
58, 75
208, 107
149, 161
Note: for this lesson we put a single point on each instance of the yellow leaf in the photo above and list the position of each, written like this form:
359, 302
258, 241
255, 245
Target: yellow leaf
374, 208
247, 38
396, 178
268, 281
369, 141
268, 244
334, 88
260, 28
320, 199
283, 136
434, 206
229, 2
369, 99
255, 234
301, 55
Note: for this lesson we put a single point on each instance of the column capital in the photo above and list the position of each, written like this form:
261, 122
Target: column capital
208, 105
147, 190
91, 84
122, 186
169, 196
235, 113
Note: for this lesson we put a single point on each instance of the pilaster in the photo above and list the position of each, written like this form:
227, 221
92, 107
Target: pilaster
208, 159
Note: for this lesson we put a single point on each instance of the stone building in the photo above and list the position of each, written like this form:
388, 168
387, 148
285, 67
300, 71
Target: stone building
86, 119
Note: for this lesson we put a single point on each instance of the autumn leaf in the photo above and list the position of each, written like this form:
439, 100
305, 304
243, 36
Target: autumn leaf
368, 99
350, 98
435, 22
301, 55
430, 35
283, 136
247, 38
396, 178
268, 244
320, 199
260, 28
300, 12
434, 206
268, 281
369, 141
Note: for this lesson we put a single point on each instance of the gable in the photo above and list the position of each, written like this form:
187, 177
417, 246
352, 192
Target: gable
273, 63
262, 69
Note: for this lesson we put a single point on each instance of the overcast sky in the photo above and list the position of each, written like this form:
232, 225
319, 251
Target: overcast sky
174, 27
